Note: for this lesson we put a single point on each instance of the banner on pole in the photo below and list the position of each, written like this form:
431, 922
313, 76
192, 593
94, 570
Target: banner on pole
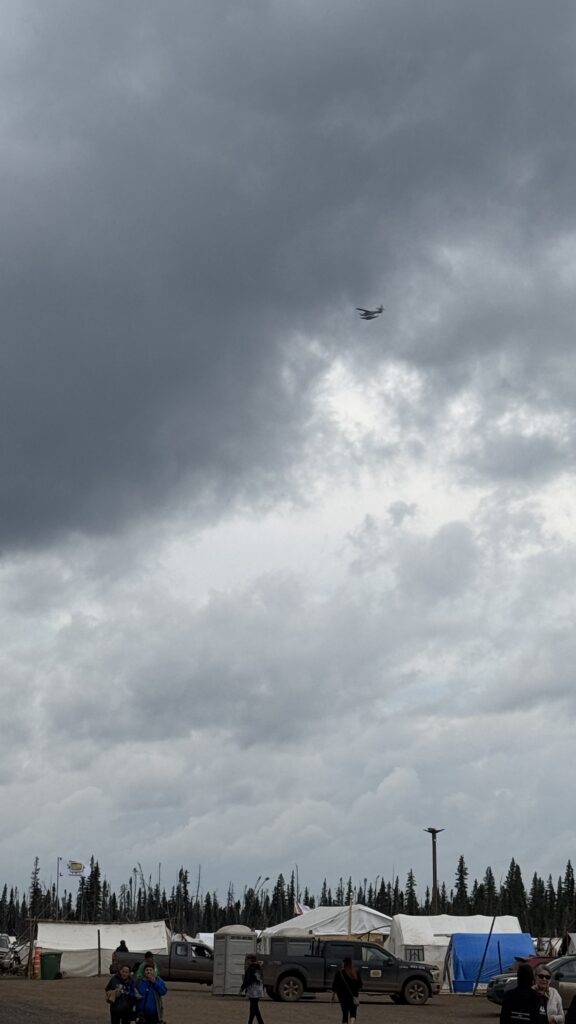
78, 869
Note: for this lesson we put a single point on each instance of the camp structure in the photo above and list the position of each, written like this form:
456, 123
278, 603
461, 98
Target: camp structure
474, 959
459, 946
351, 920
87, 948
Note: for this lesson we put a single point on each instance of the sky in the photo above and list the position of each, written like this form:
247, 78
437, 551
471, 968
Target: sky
278, 586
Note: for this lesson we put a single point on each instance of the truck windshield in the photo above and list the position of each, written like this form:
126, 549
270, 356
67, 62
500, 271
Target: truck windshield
371, 954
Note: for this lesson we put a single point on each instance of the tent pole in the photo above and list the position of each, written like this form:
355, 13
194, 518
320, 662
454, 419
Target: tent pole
484, 955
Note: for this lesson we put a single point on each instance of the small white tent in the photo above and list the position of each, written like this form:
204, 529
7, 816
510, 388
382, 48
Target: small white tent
428, 938
87, 948
353, 920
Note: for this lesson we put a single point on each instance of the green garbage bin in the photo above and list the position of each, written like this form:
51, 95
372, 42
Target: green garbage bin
50, 966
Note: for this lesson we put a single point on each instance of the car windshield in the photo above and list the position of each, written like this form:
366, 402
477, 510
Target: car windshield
553, 965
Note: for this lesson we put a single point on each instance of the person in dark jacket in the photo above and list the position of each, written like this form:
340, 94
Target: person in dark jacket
571, 1012
253, 987
124, 998
150, 989
346, 986
522, 1005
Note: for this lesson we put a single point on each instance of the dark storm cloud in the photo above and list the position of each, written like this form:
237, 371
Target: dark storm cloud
185, 190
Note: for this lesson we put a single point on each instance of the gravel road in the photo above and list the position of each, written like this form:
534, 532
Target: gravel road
81, 1001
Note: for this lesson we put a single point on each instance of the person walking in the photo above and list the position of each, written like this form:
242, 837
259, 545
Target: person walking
121, 994
550, 996
346, 987
253, 987
150, 989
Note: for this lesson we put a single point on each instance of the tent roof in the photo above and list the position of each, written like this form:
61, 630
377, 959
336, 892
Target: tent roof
430, 931
63, 936
357, 920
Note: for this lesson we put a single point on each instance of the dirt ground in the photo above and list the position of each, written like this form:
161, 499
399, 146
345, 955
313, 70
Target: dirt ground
81, 1001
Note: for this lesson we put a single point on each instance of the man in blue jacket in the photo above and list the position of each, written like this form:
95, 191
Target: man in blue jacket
151, 990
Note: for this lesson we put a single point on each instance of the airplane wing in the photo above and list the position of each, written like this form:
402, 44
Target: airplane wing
369, 314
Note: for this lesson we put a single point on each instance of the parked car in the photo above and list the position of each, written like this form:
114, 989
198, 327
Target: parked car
562, 969
10, 959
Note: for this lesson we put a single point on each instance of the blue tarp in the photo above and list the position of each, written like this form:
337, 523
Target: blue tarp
468, 950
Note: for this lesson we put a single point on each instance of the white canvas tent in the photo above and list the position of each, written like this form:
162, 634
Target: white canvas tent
85, 947
428, 938
353, 920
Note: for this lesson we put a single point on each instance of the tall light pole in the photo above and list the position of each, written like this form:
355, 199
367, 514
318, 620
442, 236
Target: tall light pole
434, 832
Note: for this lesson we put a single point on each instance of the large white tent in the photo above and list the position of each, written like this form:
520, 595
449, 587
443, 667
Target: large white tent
353, 920
428, 938
87, 948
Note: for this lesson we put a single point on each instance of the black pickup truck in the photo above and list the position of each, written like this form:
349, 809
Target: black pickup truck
185, 961
293, 967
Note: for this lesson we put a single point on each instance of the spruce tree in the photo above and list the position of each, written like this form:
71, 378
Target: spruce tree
443, 899
490, 892
513, 894
35, 896
568, 908
278, 905
460, 901
349, 896
537, 907
397, 900
4, 909
550, 908
477, 898
410, 897
93, 893
324, 895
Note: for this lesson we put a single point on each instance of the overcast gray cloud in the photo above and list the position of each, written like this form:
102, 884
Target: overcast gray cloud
270, 557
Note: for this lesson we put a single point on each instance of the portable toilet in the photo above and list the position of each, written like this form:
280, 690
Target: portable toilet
232, 944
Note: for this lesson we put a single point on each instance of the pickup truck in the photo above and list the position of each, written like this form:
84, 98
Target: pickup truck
293, 967
185, 961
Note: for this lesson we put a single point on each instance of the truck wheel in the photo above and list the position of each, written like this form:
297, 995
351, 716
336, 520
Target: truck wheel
290, 988
416, 992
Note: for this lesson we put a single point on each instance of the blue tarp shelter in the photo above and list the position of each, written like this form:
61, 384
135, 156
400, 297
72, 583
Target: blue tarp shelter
468, 951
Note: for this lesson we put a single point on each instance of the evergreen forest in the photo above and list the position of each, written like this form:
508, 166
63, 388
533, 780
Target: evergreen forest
544, 908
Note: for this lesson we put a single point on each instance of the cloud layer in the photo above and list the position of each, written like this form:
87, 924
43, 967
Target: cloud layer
305, 578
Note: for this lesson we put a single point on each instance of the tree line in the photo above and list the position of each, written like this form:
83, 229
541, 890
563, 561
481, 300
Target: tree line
544, 909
